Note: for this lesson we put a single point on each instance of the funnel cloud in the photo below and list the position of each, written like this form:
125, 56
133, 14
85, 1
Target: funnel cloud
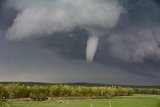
91, 48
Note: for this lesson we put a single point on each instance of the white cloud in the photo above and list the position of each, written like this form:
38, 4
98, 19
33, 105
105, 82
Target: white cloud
38, 18
137, 44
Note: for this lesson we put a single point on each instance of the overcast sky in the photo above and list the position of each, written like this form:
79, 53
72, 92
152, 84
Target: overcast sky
102, 41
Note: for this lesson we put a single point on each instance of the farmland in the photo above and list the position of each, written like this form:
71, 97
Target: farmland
124, 101
16, 95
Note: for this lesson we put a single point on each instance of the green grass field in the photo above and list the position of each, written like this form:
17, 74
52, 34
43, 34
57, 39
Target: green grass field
134, 101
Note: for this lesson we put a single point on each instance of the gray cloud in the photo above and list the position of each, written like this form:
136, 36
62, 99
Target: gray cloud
45, 18
136, 45
128, 43
138, 37
25, 63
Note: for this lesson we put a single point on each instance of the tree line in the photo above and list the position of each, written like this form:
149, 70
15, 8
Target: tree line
13, 91
154, 91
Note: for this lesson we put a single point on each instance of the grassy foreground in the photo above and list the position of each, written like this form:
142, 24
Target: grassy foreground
134, 101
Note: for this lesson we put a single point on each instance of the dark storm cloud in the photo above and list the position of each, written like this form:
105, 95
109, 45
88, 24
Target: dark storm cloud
2, 3
129, 34
7, 16
72, 48
46, 18
136, 39
132, 45
157, 1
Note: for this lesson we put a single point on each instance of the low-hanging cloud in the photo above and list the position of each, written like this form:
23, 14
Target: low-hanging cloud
138, 36
37, 19
136, 45
128, 40
48, 17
